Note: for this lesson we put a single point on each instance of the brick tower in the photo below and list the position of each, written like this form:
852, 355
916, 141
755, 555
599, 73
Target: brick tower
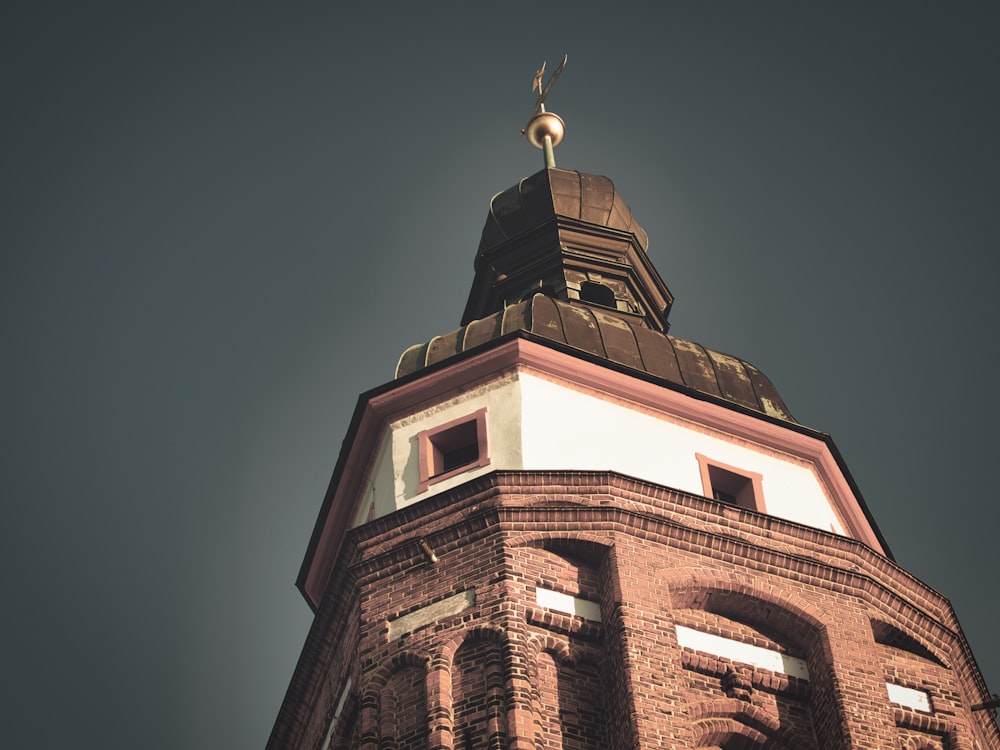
560, 527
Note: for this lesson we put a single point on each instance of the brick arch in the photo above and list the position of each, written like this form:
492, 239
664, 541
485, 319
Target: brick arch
445, 654
569, 675
789, 617
539, 644
562, 651
380, 677
719, 732
915, 744
894, 628
540, 538
692, 588
471, 690
928, 725
371, 696
742, 724
583, 555
402, 704
440, 699
568, 706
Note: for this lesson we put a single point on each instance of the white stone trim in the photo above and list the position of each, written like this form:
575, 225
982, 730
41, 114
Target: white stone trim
570, 605
756, 656
336, 713
918, 700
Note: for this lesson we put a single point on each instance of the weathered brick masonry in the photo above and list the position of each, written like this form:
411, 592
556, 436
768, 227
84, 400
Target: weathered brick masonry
505, 672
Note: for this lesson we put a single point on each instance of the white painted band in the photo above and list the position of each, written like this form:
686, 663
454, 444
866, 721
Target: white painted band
756, 656
918, 700
570, 605
336, 713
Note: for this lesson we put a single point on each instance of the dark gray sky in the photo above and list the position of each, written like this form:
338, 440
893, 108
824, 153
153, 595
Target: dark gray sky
220, 224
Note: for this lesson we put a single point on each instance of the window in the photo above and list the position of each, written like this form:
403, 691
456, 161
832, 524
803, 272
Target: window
451, 448
599, 294
728, 484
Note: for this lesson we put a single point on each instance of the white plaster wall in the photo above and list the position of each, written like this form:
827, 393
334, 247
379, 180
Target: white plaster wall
533, 423
378, 490
502, 399
564, 428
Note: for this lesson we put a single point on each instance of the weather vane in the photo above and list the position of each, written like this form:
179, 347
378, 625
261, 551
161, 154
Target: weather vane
545, 130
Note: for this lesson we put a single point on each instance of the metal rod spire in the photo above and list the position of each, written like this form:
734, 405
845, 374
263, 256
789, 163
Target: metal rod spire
545, 130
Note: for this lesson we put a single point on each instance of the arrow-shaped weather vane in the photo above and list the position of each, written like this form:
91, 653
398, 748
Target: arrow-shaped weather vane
545, 130
544, 92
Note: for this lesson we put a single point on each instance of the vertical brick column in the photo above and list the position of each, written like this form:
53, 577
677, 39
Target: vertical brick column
369, 730
439, 701
495, 708
642, 645
520, 717
850, 689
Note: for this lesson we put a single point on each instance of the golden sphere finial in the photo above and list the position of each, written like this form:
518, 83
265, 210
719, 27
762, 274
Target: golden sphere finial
545, 124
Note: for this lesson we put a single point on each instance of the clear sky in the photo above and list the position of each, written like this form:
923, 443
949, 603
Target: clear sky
222, 222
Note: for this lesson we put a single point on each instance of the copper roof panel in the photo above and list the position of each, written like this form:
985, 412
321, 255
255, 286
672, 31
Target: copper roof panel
696, 367
445, 346
516, 318
597, 196
581, 329
536, 200
411, 360
517, 210
565, 192
615, 337
620, 217
619, 341
551, 192
733, 380
658, 357
483, 330
545, 320
767, 394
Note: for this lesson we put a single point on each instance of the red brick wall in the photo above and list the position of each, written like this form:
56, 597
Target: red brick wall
403, 710
507, 673
569, 700
479, 702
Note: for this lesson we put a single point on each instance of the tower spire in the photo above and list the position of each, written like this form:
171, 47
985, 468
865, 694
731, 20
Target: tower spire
642, 494
545, 130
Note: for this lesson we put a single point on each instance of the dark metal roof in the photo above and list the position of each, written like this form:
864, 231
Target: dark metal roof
589, 198
617, 338
557, 231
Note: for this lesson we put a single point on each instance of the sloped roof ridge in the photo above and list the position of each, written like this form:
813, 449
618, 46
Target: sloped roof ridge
743, 384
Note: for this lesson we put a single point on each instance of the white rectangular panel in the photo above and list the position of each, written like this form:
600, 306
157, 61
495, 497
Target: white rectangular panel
756, 656
571, 605
918, 700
